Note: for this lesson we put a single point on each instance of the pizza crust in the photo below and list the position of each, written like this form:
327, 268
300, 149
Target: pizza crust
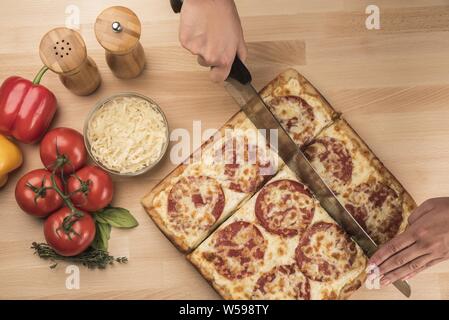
352, 286
147, 203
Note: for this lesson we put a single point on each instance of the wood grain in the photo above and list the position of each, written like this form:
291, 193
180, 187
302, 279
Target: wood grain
392, 84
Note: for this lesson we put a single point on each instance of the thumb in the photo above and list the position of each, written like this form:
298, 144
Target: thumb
242, 50
424, 208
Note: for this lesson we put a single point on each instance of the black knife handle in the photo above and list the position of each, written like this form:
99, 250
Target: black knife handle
176, 5
239, 71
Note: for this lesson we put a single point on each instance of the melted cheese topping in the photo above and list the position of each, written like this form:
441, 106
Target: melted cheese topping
381, 221
378, 208
279, 251
285, 208
127, 134
327, 253
322, 116
282, 283
362, 168
206, 164
194, 205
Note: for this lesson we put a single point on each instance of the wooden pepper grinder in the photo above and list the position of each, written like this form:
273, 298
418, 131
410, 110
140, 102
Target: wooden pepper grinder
118, 31
63, 51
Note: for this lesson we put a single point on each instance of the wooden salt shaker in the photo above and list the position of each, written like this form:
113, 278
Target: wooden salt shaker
64, 52
118, 31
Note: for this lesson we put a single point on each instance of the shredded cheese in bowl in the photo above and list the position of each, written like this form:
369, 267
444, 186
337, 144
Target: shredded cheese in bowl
126, 134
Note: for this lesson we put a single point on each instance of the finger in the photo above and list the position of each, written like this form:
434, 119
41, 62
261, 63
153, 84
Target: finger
202, 62
424, 208
428, 265
401, 259
192, 47
392, 247
436, 261
405, 270
219, 74
413, 273
242, 51
194, 44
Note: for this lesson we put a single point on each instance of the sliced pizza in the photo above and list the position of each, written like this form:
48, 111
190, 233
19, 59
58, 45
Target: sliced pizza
280, 245
201, 193
367, 189
299, 107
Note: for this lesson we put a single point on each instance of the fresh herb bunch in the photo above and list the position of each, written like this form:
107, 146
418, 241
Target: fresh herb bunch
91, 258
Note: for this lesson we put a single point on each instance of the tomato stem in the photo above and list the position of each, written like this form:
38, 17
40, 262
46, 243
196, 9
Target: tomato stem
39, 192
84, 185
39, 75
68, 222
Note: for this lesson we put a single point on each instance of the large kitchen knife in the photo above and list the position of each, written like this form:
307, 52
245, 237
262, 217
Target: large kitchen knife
240, 88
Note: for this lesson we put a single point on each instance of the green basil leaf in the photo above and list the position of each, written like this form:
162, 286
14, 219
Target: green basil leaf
99, 219
117, 217
102, 235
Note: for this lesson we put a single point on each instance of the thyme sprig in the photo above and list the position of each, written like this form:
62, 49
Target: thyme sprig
91, 258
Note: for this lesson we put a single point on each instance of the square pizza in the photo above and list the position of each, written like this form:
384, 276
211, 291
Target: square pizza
272, 238
281, 244
363, 185
200, 194
302, 111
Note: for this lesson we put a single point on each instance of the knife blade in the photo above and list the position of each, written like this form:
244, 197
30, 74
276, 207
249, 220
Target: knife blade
260, 114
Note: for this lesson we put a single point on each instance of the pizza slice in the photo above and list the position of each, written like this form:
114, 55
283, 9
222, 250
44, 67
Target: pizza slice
201, 193
367, 189
299, 107
281, 245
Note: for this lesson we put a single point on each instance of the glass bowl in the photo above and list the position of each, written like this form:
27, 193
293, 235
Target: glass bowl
100, 105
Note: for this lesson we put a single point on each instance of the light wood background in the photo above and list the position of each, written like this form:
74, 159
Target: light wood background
392, 84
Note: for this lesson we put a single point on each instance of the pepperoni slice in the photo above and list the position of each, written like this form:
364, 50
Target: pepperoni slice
195, 203
282, 283
246, 165
325, 252
285, 207
334, 157
239, 250
378, 209
296, 117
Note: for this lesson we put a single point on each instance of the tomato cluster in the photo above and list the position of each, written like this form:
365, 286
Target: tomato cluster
66, 192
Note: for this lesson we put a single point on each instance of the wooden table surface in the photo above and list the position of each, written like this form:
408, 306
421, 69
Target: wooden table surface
392, 84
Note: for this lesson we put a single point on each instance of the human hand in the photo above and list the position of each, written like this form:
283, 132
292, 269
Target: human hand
424, 243
211, 29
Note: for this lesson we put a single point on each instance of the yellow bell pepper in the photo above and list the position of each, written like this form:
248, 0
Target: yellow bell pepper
10, 158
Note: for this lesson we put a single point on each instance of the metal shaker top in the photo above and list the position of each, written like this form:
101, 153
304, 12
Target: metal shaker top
118, 29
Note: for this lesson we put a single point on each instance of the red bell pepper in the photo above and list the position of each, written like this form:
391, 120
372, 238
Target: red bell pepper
26, 108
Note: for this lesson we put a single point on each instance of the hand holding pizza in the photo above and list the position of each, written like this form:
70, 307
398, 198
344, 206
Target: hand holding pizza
424, 243
212, 31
